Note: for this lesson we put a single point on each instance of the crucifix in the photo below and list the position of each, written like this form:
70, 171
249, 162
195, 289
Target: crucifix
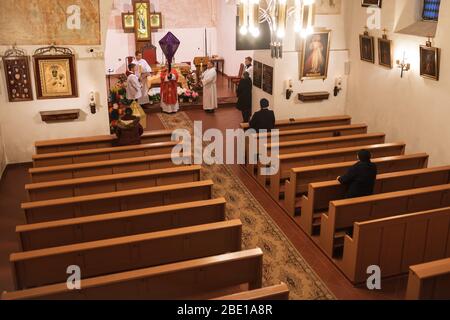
142, 28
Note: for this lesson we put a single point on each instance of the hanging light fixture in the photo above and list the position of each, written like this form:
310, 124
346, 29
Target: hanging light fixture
276, 13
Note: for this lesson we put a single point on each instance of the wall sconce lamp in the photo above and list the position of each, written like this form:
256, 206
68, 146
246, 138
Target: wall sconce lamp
92, 103
337, 86
403, 65
289, 90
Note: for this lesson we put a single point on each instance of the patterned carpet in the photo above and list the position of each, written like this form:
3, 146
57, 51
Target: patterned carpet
282, 262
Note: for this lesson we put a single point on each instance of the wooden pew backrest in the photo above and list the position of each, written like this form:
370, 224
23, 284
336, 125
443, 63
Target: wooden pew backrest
306, 159
96, 142
111, 183
278, 292
300, 178
322, 193
119, 224
194, 279
105, 154
100, 168
49, 266
396, 243
343, 214
306, 123
82, 206
429, 281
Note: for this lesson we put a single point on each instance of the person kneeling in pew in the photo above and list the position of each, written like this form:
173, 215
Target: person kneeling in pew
128, 130
360, 179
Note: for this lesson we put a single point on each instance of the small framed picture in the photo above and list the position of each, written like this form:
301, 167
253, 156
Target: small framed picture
371, 3
18, 80
429, 62
385, 56
367, 47
128, 22
142, 20
156, 20
55, 76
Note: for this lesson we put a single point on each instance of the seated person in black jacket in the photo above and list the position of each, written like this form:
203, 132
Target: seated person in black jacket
263, 119
360, 179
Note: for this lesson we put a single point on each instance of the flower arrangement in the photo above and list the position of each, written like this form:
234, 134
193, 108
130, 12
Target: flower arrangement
154, 96
118, 93
193, 82
187, 95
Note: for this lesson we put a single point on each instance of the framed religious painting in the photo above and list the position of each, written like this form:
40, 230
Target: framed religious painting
315, 56
55, 73
385, 54
17, 75
128, 22
429, 62
156, 20
142, 20
371, 3
328, 7
367, 48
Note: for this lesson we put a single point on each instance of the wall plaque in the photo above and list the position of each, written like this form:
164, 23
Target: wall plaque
17, 75
268, 79
257, 74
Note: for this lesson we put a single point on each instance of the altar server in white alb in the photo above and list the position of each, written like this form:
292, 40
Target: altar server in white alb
209, 81
142, 72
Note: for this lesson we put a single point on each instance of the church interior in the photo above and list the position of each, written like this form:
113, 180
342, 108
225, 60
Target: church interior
86, 215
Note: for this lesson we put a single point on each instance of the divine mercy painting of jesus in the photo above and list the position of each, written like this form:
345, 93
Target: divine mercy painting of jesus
315, 56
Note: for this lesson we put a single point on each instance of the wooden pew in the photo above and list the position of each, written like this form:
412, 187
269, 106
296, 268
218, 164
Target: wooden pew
429, 281
327, 143
396, 243
111, 183
278, 292
119, 224
323, 144
100, 168
343, 214
96, 142
305, 134
104, 154
289, 161
306, 123
322, 193
82, 206
187, 280
49, 266
300, 178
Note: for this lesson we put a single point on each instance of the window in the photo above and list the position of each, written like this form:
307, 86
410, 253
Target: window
431, 10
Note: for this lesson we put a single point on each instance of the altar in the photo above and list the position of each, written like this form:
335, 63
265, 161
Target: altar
154, 81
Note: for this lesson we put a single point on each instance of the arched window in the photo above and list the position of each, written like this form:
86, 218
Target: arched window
431, 10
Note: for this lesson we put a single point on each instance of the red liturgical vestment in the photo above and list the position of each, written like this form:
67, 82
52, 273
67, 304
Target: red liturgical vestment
169, 87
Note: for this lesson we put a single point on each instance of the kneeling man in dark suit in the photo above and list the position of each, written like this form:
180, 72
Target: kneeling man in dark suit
360, 179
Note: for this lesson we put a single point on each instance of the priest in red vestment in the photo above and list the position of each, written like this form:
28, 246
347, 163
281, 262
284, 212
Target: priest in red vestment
169, 91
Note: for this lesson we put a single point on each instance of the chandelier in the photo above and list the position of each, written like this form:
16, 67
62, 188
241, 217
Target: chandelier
276, 13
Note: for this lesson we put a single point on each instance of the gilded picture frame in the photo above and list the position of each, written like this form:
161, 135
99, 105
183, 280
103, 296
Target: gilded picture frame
128, 22
315, 56
429, 62
55, 77
385, 53
142, 20
156, 20
367, 48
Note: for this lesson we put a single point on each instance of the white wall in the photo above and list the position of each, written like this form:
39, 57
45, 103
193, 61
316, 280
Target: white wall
226, 35
192, 37
21, 123
412, 109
